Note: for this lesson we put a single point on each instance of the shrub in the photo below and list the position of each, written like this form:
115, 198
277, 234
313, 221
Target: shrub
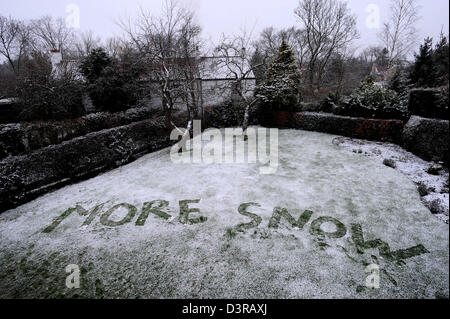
435, 206
423, 189
43, 97
56, 100
389, 162
225, 114
371, 101
331, 103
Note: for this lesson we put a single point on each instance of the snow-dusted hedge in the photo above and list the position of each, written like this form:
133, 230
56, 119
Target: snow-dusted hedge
429, 102
369, 129
224, 114
16, 139
427, 138
369, 101
27, 176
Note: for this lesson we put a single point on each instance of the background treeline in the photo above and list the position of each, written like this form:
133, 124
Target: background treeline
158, 58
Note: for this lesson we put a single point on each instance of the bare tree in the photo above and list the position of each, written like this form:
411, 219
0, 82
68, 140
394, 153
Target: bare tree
371, 54
399, 34
52, 34
341, 69
159, 41
114, 46
270, 40
329, 27
189, 44
14, 39
235, 54
86, 42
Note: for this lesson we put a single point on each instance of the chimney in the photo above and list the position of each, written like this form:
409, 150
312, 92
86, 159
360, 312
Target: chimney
55, 58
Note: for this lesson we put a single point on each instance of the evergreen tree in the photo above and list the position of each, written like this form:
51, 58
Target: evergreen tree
424, 71
382, 59
398, 82
111, 86
94, 64
441, 60
281, 88
260, 68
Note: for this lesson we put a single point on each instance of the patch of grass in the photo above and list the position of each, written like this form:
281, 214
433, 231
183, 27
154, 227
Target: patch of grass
230, 233
98, 288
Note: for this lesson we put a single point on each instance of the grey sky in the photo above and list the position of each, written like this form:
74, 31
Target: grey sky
222, 16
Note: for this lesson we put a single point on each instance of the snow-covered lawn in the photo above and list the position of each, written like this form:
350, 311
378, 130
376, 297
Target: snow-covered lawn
435, 184
345, 202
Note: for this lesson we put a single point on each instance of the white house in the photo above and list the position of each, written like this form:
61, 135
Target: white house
215, 79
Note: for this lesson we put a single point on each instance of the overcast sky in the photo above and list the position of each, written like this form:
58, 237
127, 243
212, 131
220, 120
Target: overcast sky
223, 16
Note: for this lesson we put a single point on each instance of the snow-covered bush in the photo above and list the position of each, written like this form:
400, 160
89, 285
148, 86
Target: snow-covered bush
331, 103
281, 88
371, 101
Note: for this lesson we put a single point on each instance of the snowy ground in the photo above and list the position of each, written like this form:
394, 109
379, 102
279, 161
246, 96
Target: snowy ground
435, 186
164, 258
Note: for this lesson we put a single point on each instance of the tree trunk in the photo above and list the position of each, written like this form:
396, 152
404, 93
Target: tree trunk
245, 122
167, 111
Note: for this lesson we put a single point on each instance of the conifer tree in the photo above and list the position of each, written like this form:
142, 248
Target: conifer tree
424, 71
441, 60
281, 88
398, 82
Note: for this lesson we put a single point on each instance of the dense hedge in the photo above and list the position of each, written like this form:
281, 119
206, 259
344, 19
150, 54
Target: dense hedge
429, 102
9, 113
224, 114
24, 177
16, 139
368, 101
427, 138
369, 129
